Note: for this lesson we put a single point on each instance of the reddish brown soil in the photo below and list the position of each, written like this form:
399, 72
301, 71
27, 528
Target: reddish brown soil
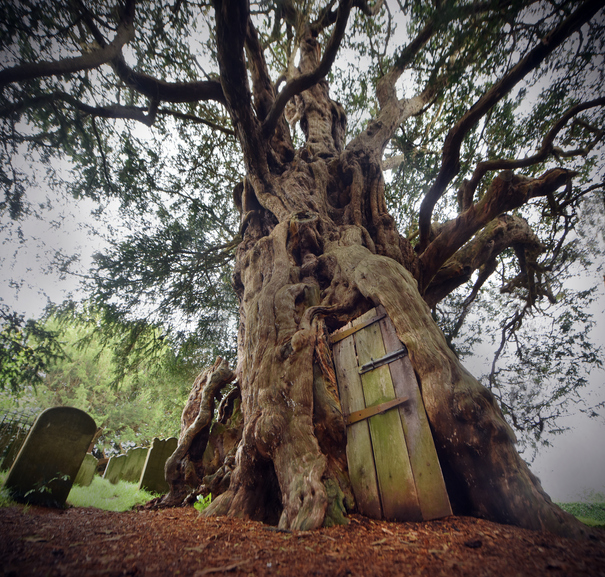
88, 542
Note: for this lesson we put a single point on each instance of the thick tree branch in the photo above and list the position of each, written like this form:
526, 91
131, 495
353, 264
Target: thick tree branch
163, 91
93, 59
154, 88
262, 87
305, 81
480, 253
232, 19
450, 164
506, 192
469, 187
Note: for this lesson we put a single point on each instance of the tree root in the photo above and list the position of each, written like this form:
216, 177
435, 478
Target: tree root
196, 419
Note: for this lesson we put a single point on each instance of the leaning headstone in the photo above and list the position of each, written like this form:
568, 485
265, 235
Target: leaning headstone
133, 467
153, 478
51, 456
113, 471
87, 471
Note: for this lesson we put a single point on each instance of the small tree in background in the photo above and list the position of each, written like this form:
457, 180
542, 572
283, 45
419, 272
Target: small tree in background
132, 404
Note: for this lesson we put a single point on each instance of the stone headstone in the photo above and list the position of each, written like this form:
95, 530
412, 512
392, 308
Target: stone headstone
153, 478
113, 471
51, 456
133, 467
87, 471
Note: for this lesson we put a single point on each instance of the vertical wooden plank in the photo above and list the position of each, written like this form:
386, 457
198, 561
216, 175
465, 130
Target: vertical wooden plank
430, 486
359, 446
395, 478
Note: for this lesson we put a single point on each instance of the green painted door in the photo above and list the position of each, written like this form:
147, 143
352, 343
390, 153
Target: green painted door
392, 460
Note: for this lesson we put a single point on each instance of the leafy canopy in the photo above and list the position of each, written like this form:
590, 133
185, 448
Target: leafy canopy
128, 96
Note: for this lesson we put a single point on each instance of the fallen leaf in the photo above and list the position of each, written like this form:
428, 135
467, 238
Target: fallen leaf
35, 539
380, 541
223, 569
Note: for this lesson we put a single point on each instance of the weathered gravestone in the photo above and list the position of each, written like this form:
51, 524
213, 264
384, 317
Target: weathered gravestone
135, 462
113, 471
153, 478
51, 456
87, 471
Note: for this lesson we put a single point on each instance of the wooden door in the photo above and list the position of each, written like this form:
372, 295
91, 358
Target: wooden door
393, 464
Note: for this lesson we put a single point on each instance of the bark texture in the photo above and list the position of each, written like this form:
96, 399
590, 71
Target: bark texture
190, 466
319, 248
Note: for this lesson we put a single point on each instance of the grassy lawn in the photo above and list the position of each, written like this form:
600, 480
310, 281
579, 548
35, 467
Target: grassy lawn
100, 493
590, 513
103, 495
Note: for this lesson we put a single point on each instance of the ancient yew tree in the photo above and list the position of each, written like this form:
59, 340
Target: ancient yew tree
322, 237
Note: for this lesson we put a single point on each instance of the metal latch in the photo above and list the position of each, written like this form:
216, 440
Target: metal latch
388, 358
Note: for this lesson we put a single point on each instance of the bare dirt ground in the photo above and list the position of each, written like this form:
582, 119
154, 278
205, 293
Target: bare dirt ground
89, 542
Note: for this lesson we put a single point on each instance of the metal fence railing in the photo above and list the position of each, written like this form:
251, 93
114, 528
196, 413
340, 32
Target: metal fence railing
14, 426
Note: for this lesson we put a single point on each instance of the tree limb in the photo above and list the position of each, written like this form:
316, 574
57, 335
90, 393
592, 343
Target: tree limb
547, 148
154, 88
450, 164
163, 91
232, 18
104, 54
506, 192
305, 81
263, 91
480, 253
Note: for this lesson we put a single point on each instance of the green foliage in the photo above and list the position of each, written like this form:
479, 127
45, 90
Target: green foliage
27, 349
101, 494
131, 406
202, 502
590, 512
162, 173
536, 380
44, 487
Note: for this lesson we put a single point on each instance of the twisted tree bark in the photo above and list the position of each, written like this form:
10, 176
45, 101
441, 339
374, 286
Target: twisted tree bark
319, 248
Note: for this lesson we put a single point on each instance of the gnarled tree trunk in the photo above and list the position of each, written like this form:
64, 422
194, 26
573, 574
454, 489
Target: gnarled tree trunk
319, 248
